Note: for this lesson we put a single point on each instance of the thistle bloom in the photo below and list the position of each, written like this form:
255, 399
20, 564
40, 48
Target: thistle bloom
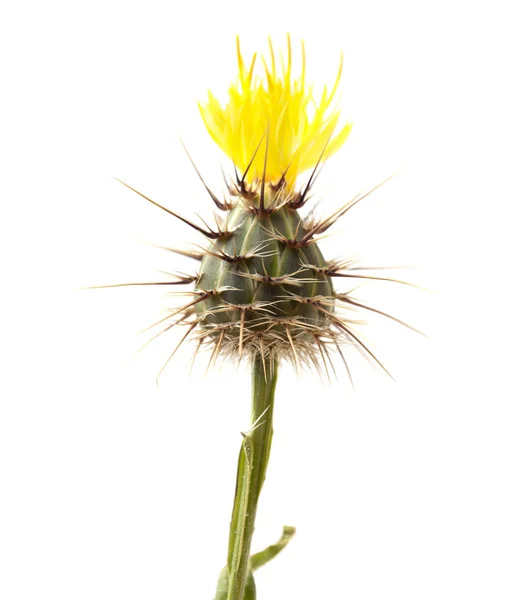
264, 290
298, 127
263, 287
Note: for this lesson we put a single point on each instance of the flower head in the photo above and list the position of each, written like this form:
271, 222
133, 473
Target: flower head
296, 125
263, 288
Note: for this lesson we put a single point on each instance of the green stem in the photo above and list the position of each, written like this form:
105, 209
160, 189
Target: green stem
251, 472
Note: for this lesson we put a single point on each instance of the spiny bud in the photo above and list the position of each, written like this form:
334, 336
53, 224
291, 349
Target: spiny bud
263, 286
265, 281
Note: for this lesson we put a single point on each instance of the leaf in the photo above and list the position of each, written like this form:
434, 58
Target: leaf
261, 558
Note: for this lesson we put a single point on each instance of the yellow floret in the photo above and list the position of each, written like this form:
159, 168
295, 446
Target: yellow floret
277, 111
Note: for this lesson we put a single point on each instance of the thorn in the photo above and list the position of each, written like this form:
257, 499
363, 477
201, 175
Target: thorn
296, 359
258, 422
345, 364
341, 325
241, 183
262, 356
264, 172
330, 361
193, 325
219, 204
286, 279
203, 296
326, 223
319, 345
188, 253
335, 273
221, 254
183, 281
303, 243
281, 181
255, 252
274, 205
379, 267
197, 348
209, 234
302, 196
343, 298
214, 355
154, 337
241, 331
238, 181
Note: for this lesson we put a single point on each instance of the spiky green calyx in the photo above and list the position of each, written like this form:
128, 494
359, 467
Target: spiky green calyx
265, 283
263, 287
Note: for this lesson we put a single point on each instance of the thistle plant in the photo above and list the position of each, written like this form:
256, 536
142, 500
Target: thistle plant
264, 292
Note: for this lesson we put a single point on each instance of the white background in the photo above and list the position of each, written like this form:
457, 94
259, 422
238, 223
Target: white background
115, 488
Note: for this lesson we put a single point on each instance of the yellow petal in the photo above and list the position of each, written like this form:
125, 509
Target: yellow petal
282, 111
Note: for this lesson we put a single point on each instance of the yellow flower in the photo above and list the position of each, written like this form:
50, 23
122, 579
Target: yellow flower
277, 113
